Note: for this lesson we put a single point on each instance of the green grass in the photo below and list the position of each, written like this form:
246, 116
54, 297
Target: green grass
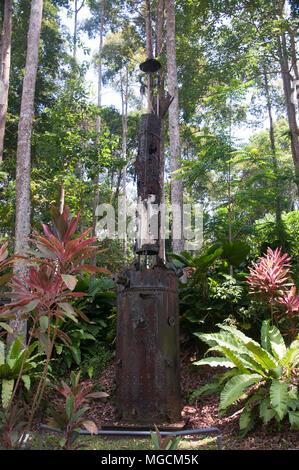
51, 441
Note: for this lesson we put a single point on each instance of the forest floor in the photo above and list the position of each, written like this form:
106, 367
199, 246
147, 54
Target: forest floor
204, 414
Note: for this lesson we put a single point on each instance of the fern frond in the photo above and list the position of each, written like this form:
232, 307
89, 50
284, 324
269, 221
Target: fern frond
279, 397
235, 388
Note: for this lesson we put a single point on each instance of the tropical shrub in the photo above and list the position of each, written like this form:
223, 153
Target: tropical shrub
210, 294
262, 379
45, 295
18, 363
11, 427
270, 278
70, 416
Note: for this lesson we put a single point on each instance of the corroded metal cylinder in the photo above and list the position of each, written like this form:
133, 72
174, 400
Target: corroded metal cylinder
147, 352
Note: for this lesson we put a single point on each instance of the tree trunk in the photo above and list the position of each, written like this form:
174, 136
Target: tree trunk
174, 131
273, 152
98, 124
23, 164
159, 49
149, 53
291, 110
5, 69
124, 105
294, 65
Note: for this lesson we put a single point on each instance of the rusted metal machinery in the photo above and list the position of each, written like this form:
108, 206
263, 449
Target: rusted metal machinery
147, 350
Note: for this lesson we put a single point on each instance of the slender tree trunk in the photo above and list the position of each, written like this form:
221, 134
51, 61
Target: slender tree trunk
160, 98
124, 105
5, 69
98, 122
291, 110
174, 131
294, 65
273, 152
23, 164
149, 53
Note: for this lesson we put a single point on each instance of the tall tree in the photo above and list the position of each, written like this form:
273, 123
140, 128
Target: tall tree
23, 164
5, 57
174, 130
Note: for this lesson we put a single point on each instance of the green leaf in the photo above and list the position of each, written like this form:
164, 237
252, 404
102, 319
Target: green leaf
6, 327
265, 340
235, 387
294, 419
26, 380
279, 397
44, 342
70, 281
246, 421
291, 355
69, 406
266, 412
69, 311
214, 362
277, 343
235, 252
76, 353
261, 355
7, 389
44, 323
31, 306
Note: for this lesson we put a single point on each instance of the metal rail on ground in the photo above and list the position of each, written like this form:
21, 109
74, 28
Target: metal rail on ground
119, 432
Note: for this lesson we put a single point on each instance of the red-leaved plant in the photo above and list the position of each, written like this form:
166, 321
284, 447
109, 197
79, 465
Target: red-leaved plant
270, 278
44, 294
70, 415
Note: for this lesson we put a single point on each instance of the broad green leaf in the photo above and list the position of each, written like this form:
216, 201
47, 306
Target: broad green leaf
294, 419
207, 389
291, 355
246, 421
215, 362
14, 350
235, 252
236, 360
7, 389
261, 355
5, 371
70, 281
234, 389
279, 397
293, 400
265, 341
266, 412
277, 343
